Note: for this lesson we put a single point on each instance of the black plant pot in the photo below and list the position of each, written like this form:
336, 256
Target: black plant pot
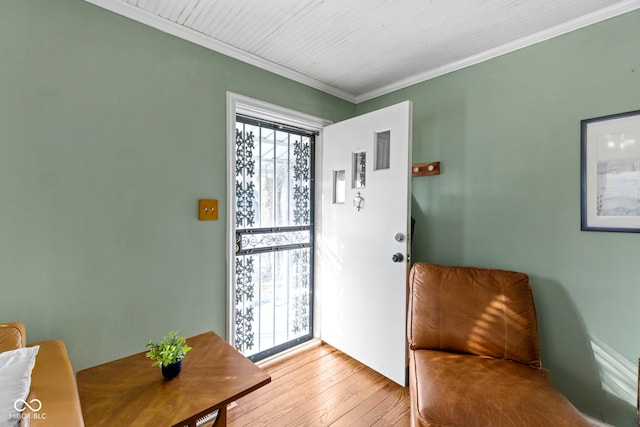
172, 370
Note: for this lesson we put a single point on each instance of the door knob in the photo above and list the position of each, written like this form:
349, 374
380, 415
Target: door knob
397, 257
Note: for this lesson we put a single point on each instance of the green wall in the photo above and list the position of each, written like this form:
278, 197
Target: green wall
507, 132
110, 132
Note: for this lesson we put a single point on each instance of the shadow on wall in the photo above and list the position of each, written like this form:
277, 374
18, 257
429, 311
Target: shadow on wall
597, 380
426, 243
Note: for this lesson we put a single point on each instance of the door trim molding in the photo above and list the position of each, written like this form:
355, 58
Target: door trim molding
237, 103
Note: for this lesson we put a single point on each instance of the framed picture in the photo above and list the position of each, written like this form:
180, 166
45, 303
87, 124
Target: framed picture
610, 173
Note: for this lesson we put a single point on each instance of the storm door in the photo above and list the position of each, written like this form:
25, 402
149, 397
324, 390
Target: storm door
273, 277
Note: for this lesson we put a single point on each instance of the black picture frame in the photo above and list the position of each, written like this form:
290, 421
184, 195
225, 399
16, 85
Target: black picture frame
610, 173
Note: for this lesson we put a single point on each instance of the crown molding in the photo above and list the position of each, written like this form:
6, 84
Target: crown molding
142, 16
617, 9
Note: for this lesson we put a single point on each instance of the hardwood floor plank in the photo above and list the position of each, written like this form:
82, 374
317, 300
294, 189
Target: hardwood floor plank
307, 376
323, 387
295, 365
294, 390
329, 403
395, 412
284, 366
372, 409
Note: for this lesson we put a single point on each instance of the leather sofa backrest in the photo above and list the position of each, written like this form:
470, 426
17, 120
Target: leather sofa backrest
486, 312
12, 336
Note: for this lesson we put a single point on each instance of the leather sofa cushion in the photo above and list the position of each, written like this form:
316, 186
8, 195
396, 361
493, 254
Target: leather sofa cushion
12, 336
486, 312
463, 390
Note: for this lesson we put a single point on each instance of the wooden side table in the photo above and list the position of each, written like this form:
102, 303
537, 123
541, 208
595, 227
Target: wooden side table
129, 391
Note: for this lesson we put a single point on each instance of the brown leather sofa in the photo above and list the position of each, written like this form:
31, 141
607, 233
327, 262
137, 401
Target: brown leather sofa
53, 381
474, 352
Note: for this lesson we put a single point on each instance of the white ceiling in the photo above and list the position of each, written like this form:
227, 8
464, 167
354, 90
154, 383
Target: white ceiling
359, 49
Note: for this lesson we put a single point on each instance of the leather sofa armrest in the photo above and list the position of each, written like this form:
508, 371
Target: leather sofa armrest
12, 336
53, 383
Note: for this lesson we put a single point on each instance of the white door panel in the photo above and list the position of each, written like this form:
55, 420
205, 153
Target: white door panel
362, 292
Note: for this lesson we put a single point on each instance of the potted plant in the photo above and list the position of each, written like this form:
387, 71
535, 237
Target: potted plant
168, 354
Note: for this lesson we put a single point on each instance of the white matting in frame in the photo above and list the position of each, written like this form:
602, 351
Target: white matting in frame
610, 173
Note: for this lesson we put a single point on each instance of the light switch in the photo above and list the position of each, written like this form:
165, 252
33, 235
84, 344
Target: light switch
208, 210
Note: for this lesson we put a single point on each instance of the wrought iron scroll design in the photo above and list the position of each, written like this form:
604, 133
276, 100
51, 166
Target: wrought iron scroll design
257, 240
301, 176
244, 336
302, 291
245, 217
245, 188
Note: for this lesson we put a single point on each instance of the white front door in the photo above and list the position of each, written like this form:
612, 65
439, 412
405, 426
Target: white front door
363, 239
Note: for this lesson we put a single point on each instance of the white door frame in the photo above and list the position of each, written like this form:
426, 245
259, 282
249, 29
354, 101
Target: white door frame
260, 109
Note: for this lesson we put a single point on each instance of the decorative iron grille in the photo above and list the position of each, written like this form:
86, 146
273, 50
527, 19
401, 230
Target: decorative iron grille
274, 237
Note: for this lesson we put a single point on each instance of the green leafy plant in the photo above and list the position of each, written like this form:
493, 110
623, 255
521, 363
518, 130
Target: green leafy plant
170, 350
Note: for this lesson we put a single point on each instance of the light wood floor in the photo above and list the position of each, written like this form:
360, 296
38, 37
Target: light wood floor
323, 387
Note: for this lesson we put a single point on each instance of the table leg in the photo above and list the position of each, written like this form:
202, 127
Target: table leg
221, 419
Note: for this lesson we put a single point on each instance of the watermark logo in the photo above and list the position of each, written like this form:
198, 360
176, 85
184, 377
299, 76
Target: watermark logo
34, 405
37, 405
